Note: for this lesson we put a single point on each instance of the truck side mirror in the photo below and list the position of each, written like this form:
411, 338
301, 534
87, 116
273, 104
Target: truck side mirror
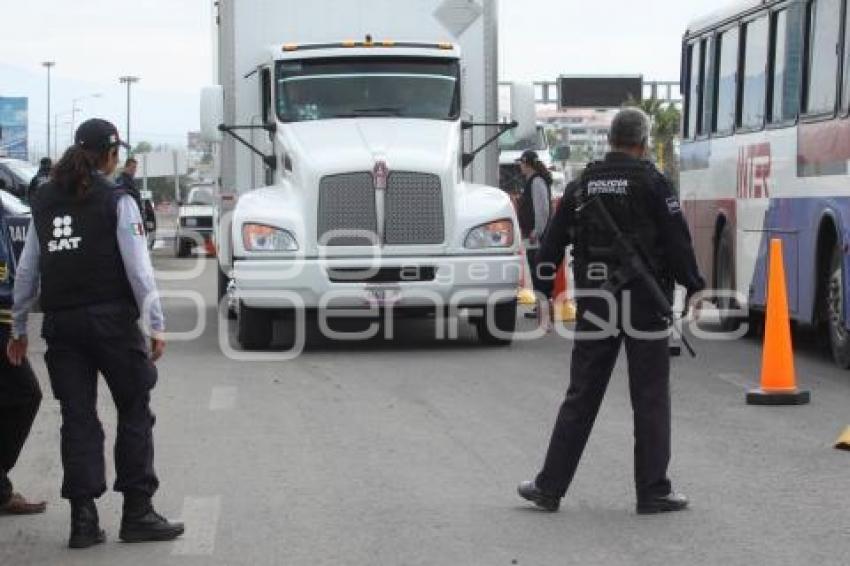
212, 113
524, 111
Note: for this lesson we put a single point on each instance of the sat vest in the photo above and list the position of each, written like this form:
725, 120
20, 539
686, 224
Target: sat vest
80, 261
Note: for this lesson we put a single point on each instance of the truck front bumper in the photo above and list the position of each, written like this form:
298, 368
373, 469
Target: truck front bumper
442, 281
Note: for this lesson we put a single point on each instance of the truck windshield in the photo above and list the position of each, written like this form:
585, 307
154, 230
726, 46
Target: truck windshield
409, 87
509, 142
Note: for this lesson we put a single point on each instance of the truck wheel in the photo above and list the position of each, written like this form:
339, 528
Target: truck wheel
724, 269
223, 283
502, 318
839, 337
255, 328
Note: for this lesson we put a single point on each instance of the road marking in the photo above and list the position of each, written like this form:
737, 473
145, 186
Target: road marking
735, 379
223, 399
201, 517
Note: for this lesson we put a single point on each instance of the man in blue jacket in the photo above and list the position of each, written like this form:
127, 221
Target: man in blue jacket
20, 395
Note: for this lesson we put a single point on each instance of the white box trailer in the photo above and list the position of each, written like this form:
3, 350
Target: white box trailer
349, 134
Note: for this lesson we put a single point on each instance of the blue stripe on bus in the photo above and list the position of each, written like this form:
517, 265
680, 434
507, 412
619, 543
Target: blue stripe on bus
797, 222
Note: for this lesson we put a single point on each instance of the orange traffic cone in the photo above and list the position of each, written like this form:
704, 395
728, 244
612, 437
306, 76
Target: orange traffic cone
565, 308
525, 294
778, 378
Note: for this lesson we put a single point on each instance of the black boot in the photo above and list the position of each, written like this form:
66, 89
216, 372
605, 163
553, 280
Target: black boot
528, 490
141, 523
85, 525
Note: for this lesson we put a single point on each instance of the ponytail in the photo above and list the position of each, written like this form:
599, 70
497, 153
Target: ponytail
541, 169
75, 170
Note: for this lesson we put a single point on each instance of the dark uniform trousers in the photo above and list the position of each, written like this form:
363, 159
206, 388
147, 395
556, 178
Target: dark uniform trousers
593, 362
20, 397
81, 342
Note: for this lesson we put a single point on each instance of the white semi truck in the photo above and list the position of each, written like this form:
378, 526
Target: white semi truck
355, 168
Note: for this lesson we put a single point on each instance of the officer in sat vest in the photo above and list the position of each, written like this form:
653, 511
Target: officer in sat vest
20, 394
88, 250
644, 207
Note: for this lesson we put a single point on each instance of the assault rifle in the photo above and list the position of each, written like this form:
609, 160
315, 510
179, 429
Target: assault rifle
633, 266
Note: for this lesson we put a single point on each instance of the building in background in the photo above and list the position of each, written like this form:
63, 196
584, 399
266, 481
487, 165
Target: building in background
14, 132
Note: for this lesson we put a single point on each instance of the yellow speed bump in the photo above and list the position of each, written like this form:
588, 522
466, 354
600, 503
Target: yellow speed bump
844, 440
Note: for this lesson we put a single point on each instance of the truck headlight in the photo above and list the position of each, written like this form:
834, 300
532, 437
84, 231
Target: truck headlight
498, 234
262, 238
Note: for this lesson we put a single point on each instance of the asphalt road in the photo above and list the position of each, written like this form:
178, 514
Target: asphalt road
407, 452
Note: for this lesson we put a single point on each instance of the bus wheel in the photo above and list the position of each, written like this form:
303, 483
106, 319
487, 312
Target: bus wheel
839, 337
724, 269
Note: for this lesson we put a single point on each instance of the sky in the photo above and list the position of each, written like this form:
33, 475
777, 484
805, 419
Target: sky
168, 44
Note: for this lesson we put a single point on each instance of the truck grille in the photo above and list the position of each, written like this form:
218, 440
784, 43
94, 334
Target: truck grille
347, 215
413, 210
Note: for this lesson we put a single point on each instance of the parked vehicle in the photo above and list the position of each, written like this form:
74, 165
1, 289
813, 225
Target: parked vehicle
15, 176
362, 172
18, 218
195, 221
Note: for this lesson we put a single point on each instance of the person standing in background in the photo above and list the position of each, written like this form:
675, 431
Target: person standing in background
20, 395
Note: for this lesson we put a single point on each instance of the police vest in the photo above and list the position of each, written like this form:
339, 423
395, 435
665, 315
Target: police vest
80, 261
7, 273
623, 187
525, 212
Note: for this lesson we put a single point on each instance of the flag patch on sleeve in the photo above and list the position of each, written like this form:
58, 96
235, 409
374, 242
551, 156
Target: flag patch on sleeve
137, 229
673, 205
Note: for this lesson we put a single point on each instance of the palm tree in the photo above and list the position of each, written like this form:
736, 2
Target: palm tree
666, 124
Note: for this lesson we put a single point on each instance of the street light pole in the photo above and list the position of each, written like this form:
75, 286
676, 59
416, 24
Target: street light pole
48, 65
129, 81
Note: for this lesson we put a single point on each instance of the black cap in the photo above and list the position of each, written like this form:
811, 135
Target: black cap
529, 157
98, 135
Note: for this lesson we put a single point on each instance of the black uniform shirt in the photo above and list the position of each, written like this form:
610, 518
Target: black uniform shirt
663, 205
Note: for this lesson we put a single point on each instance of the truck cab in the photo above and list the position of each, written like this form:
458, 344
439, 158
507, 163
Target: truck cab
354, 173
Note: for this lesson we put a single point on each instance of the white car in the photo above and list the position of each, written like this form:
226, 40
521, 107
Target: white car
195, 221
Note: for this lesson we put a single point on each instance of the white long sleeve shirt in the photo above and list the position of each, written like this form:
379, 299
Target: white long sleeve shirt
137, 264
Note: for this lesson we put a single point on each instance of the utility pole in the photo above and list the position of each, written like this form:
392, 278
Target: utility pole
48, 65
129, 81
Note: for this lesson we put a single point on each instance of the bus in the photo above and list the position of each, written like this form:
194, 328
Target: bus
766, 154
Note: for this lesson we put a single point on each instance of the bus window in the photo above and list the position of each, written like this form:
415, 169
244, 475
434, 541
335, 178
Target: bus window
726, 81
754, 84
823, 24
779, 101
846, 87
696, 67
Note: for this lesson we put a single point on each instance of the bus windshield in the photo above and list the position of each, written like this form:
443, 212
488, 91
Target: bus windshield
410, 87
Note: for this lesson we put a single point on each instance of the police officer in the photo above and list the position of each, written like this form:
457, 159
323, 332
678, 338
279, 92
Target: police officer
87, 247
20, 395
645, 208
127, 181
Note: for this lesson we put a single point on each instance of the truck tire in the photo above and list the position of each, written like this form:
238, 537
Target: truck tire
255, 328
839, 337
502, 317
724, 276
223, 282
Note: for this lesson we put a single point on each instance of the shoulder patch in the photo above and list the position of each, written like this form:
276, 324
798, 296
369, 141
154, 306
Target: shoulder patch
137, 229
673, 205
